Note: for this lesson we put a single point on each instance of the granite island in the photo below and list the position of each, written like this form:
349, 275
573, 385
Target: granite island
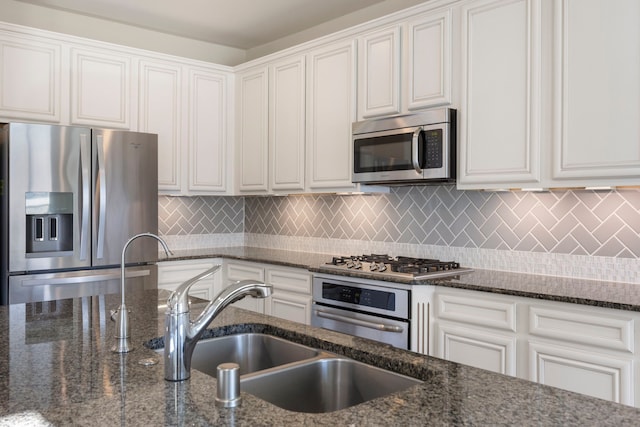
56, 368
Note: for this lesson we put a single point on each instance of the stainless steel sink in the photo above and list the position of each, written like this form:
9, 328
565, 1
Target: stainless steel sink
252, 351
324, 385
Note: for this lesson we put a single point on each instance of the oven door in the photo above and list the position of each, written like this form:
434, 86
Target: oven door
389, 331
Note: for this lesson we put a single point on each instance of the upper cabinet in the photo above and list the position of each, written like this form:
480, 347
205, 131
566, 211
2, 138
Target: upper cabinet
100, 88
596, 99
499, 116
331, 109
30, 79
406, 66
550, 94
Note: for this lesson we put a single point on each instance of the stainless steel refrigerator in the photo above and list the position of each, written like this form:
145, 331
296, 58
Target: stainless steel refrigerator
70, 198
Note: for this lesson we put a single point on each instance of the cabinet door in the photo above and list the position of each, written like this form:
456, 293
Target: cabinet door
30, 79
207, 131
246, 271
172, 274
428, 61
252, 129
500, 134
480, 348
379, 73
591, 373
331, 109
597, 98
287, 124
160, 112
290, 306
100, 88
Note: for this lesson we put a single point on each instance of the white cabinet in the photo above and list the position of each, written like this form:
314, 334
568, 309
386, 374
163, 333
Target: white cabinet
161, 112
252, 130
207, 131
187, 107
589, 351
422, 319
236, 271
30, 79
100, 88
291, 298
331, 109
172, 274
476, 330
406, 67
287, 124
596, 92
499, 118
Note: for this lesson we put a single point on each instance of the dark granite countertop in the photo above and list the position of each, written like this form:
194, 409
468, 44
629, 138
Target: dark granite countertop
623, 296
56, 367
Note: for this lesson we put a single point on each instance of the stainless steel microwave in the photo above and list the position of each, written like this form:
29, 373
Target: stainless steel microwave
407, 149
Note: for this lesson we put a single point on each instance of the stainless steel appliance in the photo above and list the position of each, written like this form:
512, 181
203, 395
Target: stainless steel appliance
71, 197
373, 298
414, 148
376, 311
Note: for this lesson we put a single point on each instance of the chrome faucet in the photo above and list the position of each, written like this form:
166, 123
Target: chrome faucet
121, 314
181, 334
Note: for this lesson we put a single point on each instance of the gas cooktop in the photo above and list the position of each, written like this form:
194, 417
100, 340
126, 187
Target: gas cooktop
400, 266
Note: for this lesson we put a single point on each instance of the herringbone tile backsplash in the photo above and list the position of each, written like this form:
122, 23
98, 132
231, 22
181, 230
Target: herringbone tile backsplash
200, 215
601, 223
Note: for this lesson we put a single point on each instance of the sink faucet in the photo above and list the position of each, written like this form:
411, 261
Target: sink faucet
181, 334
121, 314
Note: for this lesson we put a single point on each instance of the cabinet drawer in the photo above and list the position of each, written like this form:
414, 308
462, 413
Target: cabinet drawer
290, 280
477, 311
176, 272
237, 271
604, 331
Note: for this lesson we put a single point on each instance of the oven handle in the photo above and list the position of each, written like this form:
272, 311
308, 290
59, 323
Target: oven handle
377, 326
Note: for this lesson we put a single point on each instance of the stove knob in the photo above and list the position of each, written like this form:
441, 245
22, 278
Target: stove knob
373, 267
357, 265
350, 264
382, 267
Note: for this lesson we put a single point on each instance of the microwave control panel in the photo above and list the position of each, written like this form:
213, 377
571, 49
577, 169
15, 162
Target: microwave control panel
433, 145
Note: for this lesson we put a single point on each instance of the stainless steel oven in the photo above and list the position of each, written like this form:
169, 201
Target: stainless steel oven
362, 308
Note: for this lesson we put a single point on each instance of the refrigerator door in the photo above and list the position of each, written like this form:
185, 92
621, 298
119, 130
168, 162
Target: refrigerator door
49, 186
125, 185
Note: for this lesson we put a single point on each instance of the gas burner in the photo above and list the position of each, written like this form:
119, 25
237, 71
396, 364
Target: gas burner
401, 266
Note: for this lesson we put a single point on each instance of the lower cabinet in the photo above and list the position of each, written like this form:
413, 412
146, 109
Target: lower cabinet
291, 297
172, 274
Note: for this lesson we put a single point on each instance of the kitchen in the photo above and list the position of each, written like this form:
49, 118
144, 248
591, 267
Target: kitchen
590, 234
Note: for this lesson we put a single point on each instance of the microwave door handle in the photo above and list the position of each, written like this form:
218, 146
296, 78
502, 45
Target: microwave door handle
414, 150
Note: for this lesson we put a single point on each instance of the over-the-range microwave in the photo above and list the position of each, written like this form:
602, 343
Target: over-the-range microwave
406, 149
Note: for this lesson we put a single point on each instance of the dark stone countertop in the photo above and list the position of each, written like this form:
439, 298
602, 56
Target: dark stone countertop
623, 296
56, 366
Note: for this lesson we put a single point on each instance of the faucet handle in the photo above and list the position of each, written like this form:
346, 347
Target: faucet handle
178, 301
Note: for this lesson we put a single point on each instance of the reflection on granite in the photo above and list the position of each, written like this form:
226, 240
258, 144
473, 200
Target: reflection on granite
57, 366
623, 296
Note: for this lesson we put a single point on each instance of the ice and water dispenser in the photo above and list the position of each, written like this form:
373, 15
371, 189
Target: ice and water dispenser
49, 227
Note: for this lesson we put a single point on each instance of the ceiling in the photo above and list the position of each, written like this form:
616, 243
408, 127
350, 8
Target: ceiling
242, 24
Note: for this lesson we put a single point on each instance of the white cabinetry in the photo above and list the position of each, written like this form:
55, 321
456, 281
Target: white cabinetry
172, 274
30, 79
252, 126
291, 298
597, 92
421, 319
550, 94
586, 351
331, 109
499, 119
476, 331
287, 124
100, 88
406, 67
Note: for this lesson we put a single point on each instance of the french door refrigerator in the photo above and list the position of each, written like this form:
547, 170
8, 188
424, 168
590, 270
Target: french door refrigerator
70, 198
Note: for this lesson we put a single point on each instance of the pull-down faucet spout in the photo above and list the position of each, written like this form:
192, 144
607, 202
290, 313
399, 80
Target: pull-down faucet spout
181, 334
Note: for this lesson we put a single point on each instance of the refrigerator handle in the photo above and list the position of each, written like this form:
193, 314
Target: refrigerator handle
85, 171
102, 203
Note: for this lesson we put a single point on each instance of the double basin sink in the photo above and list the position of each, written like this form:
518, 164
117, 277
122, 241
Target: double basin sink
296, 377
